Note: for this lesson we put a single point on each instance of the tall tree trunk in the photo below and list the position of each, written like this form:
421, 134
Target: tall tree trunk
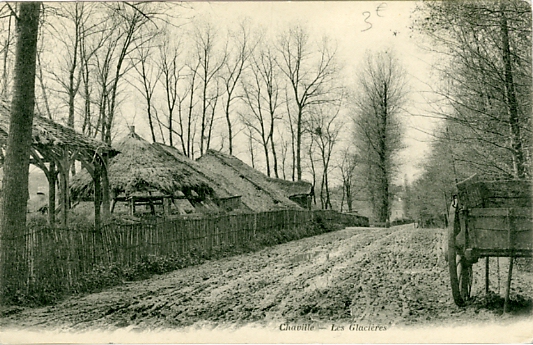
230, 131
299, 145
273, 147
267, 158
182, 135
72, 83
349, 199
293, 157
326, 187
13, 263
190, 144
251, 148
343, 195
150, 120
204, 114
313, 171
283, 159
512, 104
322, 199
86, 127
170, 141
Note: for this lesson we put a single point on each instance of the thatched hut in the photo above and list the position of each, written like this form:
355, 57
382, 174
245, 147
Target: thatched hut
144, 173
258, 192
301, 192
225, 197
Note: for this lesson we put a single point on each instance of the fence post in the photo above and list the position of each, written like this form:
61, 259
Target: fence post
255, 223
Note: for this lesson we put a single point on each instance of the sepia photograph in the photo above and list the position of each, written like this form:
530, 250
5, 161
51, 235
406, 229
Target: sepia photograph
266, 172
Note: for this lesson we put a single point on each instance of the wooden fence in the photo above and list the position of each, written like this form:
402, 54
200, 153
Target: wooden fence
57, 258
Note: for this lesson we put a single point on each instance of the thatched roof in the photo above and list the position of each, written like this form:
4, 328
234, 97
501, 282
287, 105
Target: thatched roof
49, 135
142, 167
214, 180
292, 188
257, 191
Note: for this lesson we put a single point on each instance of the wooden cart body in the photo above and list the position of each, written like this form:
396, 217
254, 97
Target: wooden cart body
488, 218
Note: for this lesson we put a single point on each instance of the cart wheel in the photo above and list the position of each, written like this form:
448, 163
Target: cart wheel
464, 271
459, 268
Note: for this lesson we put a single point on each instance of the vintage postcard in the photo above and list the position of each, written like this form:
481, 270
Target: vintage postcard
266, 172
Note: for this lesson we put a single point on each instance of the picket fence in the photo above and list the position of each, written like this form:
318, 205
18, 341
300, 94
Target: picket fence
57, 258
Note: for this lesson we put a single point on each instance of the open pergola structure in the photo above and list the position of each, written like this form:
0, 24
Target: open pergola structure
54, 149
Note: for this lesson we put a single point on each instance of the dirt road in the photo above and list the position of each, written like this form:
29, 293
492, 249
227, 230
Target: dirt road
394, 276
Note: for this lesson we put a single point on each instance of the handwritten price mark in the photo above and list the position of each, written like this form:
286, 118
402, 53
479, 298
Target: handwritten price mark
367, 14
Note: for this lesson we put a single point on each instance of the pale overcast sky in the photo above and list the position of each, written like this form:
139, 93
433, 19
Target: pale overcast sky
357, 26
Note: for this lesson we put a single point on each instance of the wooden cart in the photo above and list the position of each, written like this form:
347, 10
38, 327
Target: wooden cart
487, 218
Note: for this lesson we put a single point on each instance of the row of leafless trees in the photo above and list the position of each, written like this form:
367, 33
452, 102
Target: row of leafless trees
197, 85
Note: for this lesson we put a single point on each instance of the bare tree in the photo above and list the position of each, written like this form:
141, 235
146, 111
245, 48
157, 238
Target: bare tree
347, 167
251, 149
292, 128
325, 127
311, 73
210, 62
148, 74
17, 159
234, 66
262, 97
171, 72
120, 36
284, 153
311, 153
67, 33
378, 134
92, 38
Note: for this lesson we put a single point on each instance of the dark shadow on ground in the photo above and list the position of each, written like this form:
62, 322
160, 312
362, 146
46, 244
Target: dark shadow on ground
518, 304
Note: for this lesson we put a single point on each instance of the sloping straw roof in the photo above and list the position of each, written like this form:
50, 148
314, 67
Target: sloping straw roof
142, 167
257, 192
292, 188
214, 180
47, 134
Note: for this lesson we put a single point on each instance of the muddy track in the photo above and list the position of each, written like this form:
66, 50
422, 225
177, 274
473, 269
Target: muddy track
394, 276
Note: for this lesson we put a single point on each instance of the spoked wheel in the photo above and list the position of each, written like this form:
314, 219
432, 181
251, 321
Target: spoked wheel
460, 269
464, 273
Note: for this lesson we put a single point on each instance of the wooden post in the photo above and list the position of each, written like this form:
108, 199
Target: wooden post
132, 206
487, 275
97, 197
52, 180
255, 223
64, 189
152, 208
105, 187
166, 206
508, 290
